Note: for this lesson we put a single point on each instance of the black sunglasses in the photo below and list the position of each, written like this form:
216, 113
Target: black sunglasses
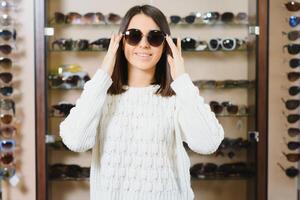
290, 172
292, 145
293, 76
292, 48
293, 132
291, 104
175, 19
155, 37
294, 62
7, 35
294, 90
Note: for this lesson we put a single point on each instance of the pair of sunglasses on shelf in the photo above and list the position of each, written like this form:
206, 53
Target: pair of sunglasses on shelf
292, 118
291, 172
292, 145
294, 21
73, 81
292, 157
292, 35
209, 17
88, 18
223, 84
292, 6
206, 170
7, 145
293, 76
291, 104
294, 90
62, 171
81, 44
7, 158
219, 108
6, 34
61, 109
293, 49
231, 146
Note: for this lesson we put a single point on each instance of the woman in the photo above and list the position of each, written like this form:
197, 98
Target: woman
136, 111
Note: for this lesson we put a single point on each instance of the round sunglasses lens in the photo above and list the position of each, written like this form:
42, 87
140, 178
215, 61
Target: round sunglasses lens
133, 36
294, 62
7, 144
294, 90
188, 43
293, 21
227, 17
293, 145
190, 19
59, 17
155, 38
6, 118
214, 44
6, 77
228, 44
293, 76
175, 19
232, 109
292, 6
6, 49
7, 158
292, 172
6, 34
292, 104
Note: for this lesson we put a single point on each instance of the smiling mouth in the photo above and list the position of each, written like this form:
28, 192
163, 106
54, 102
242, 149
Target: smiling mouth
145, 55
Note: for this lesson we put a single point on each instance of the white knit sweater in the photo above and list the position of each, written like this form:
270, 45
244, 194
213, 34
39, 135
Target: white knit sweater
135, 154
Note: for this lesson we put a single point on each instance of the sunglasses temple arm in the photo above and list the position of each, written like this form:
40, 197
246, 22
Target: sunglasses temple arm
283, 100
284, 46
281, 167
284, 33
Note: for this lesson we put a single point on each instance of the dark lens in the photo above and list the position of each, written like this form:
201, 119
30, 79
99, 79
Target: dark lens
5, 48
55, 80
216, 107
100, 16
82, 44
5, 62
214, 44
6, 118
293, 157
7, 104
175, 19
114, 18
292, 172
188, 43
6, 91
292, 6
294, 90
73, 18
293, 76
232, 109
7, 158
190, 19
68, 44
227, 17
72, 80
292, 104
59, 17
155, 38
6, 77
133, 36
6, 34
293, 145
293, 35
294, 62
229, 44
293, 132
292, 118
73, 171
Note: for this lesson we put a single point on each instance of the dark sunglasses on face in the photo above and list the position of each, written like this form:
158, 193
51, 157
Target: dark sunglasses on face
292, 157
7, 131
292, 48
294, 62
291, 104
294, 21
290, 172
154, 37
292, 6
6, 63
294, 90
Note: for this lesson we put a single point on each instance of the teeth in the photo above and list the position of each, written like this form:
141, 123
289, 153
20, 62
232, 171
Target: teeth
143, 54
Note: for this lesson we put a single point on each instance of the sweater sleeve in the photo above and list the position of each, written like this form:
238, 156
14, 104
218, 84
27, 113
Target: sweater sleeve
78, 130
198, 125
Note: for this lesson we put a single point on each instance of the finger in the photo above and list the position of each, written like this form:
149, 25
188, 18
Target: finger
172, 46
117, 41
111, 42
170, 61
179, 45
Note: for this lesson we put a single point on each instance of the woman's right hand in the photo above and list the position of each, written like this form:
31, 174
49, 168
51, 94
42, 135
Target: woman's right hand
108, 62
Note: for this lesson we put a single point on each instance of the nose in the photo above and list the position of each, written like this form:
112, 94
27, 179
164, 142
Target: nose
144, 42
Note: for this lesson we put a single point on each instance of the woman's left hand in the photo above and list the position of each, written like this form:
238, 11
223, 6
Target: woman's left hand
176, 62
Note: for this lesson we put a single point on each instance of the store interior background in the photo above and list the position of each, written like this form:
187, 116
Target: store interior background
279, 185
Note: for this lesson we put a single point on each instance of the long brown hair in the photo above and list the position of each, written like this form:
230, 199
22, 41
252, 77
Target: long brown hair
162, 75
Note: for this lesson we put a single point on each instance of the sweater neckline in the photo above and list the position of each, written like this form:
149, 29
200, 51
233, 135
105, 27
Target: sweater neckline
149, 87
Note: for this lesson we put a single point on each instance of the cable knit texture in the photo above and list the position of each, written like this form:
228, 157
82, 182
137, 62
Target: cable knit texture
137, 137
